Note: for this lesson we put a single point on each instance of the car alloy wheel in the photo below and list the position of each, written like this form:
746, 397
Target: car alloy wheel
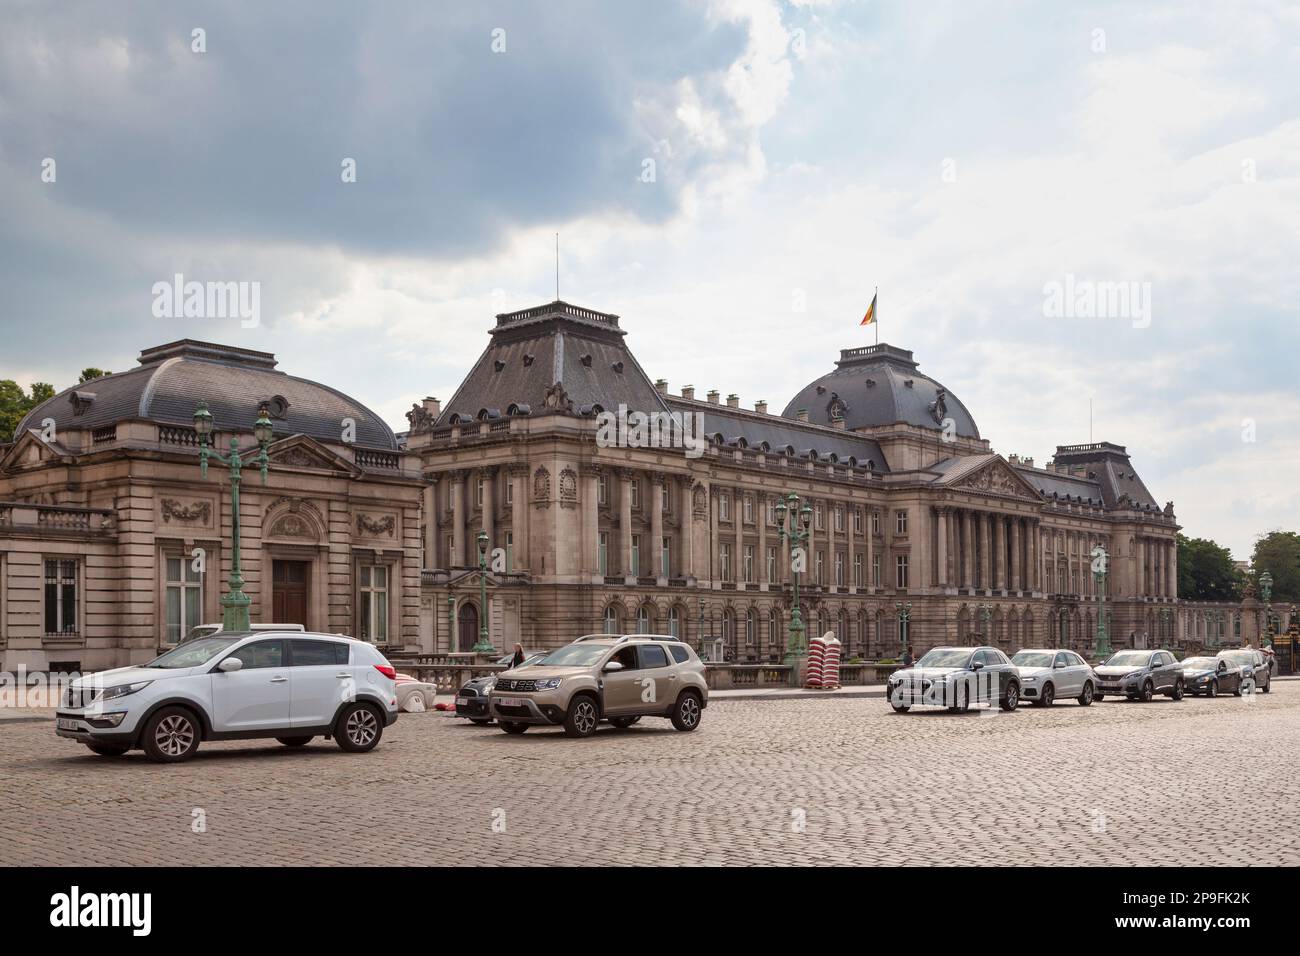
1178, 690
1049, 695
361, 727
1087, 696
582, 718
1148, 691
174, 735
686, 715
1011, 698
1214, 689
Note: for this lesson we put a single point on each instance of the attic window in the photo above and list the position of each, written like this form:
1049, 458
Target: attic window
277, 406
871, 464
821, 389
871, 383
81, 401
617, 367
498, 365
586, 360
908, 383
529, 359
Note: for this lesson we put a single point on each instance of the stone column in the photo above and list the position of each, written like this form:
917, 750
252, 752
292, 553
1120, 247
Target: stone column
457, 556
430, 505
489, 476
657, 526
715, 552
967, 550
1173, 570
869, 551
941, 545
738, 548
591, 521
986, 550
830, 543
625, 521
686, 531
1015, 554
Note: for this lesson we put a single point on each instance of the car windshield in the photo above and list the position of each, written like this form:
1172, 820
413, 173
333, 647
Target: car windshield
532, 659
1128, 659
575, 655
944, 657
194, 653
1033, 659
1200, 663
200, 630
1239, 657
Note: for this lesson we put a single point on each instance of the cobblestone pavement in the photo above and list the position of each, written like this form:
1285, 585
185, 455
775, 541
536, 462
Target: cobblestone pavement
818, 781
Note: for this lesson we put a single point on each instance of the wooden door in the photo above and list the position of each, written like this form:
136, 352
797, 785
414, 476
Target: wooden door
289, 581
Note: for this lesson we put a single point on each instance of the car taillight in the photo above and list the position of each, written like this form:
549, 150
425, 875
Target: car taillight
388, 670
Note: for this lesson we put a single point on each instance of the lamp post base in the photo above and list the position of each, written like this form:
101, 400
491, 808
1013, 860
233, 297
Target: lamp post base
234, 611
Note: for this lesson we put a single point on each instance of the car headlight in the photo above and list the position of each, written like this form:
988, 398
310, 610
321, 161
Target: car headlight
549, 683
121, 690
1029, 679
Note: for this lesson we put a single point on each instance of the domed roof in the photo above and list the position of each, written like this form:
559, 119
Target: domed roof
880, 385
172, 379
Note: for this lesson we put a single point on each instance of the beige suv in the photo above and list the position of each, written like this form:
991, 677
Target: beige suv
619, 678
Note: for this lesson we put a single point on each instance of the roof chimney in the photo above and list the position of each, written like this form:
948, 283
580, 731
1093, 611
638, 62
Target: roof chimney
733, 400
802, 414
661, 386
432, 406
714, 395
838, 422
688, 391
760, 407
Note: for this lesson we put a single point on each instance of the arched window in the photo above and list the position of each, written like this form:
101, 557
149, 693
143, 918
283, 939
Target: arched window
674, 622
842, 632
773, 631
729, 628
751, 628
611, 619
643, 621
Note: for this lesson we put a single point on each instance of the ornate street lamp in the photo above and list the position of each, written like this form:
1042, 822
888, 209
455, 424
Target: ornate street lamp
1099, 571
1164, 627
986, 612
484, 646
793, 523
451, 624
1266, 592
904, 624
235, 604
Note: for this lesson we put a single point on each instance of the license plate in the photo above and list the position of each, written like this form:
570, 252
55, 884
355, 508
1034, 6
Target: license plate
509, 702
462, 701
64, 723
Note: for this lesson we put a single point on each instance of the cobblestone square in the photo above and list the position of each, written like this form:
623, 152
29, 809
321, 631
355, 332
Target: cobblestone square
820, 781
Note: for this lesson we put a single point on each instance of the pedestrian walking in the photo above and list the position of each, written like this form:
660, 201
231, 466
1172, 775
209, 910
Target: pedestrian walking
519, 656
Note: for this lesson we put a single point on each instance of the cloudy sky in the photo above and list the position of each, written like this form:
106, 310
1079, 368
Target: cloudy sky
960, 156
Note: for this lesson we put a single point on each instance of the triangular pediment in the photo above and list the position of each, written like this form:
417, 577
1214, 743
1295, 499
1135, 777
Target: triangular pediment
31, 450
996, 477
301, 452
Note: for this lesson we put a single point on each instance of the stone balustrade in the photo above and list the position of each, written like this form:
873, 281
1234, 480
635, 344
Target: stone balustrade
17, 517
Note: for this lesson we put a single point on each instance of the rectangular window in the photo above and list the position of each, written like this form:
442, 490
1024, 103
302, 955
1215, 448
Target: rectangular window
478, 492
603, 553
667, 498
901, 570
726, 562
857, 521
839, 518
817, 516
839, 569
635, 486
821, 567
900, 522
724, 507
875, 571
374, 603
665, 556
749, 563
60, 596
510, 491
602, 490
510, 550
771, 511
636, 555
184, 598
858, 580
749, 511
771, 565
875, 522
318, 653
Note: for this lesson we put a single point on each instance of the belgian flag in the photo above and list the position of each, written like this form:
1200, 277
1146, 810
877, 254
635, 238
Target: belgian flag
870, 317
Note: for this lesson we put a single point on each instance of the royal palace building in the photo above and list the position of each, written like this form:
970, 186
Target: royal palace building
113, 544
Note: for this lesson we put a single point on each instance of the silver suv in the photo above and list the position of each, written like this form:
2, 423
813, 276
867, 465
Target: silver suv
619, 678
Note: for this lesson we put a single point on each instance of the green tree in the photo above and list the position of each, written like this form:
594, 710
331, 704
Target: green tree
15, 403
90, 374
1278, 553
1205, 571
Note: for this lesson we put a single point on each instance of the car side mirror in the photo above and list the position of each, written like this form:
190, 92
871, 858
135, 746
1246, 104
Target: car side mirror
976, 665
230, 665
612, 666
1058, 664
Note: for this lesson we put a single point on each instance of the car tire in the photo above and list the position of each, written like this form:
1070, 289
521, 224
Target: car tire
687, 711
1213, 690
482, 721
358, 728
582, 717
512, 726
1048, 696
1087, 696
1010, 697
1148, 692
107, 750
622, 723
1267, 684
171, 735
901, 708
1177, 692
294, 741
961, 700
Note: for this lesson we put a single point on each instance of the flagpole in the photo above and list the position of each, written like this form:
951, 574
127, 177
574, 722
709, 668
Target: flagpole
876, 299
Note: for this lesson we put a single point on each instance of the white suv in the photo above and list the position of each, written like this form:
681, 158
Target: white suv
290, 686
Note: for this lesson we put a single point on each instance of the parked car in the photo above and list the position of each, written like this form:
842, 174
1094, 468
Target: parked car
415, 696
207, 630
956, 677
1046, 674
234, 686
1140, 675
472, 698
1211, 676
603, 676
1252, 664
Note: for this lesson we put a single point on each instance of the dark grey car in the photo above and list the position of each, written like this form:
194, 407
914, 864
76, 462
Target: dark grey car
1211, 676
1140, 675
1252, 665
956, 677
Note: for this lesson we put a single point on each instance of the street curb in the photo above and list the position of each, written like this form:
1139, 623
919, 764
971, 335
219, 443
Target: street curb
799, 695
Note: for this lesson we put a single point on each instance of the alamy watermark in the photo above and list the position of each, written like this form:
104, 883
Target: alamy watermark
179, 299
624, 429
1074, 298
